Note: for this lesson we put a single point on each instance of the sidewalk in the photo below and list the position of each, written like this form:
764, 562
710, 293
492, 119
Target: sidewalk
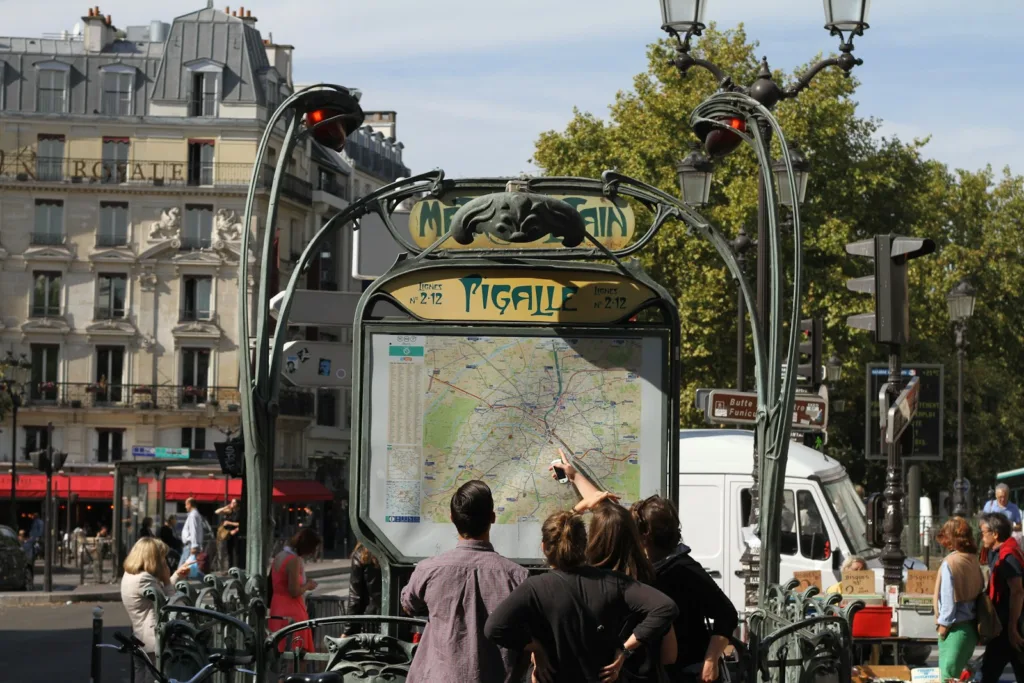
67, 590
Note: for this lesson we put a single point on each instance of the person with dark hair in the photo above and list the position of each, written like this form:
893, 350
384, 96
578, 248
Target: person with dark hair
581, 622
1007, 594
957, 588
457, 590
364, 587
700, 600
289, 587
146, 530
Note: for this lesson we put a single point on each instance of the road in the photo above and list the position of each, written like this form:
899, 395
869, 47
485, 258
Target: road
52, 642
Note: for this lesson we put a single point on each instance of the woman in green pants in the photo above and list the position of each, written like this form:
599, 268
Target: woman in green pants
957, 588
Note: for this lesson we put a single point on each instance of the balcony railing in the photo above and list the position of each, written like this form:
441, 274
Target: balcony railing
108, 313
193, 314
75, 395
47, 239
111, 240
29, 168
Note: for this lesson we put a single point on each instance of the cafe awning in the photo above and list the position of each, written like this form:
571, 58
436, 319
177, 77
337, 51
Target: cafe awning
88, 487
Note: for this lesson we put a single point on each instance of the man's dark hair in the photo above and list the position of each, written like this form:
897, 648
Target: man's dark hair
472, 507
998, 524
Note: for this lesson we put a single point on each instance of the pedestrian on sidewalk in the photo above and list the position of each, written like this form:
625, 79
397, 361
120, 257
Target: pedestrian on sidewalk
957, 588
227, 535
192, 532
146, 567
581, 623
147, 527
707, 618
1007, 594
289, 587
364, 588
457, 590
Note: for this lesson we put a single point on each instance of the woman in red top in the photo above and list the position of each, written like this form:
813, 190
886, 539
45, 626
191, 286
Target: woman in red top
289, 584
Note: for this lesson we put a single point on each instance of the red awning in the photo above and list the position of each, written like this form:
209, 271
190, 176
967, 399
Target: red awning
212, 490
300, 490
88, 487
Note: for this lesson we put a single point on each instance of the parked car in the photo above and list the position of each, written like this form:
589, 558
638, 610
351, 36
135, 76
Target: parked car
15, 566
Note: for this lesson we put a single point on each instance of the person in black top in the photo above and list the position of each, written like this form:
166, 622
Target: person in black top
696, 594
1006, 590
364, 587
582, 622
227, 534
147, 527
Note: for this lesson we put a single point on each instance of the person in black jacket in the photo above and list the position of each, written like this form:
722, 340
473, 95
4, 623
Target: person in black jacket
696, 594
557, 615
364, 587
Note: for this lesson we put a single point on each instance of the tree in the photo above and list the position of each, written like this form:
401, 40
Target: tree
861, 184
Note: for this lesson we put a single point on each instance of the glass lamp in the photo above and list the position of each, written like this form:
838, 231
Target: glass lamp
695, 173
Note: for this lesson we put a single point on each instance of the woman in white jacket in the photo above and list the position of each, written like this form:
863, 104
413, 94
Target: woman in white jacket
146, 567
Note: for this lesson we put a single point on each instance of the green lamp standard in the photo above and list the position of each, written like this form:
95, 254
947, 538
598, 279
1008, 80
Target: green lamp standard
14, 372
961, 302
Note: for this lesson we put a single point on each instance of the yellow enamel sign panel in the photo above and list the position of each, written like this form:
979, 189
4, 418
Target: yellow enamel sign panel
537, 296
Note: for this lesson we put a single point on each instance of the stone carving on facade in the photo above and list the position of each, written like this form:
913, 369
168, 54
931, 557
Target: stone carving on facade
146, 343
168, 227
227, 226
148, 280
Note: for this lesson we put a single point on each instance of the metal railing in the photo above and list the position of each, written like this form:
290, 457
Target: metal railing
108, 313
47, 239
108, 240
292, 186
294, 402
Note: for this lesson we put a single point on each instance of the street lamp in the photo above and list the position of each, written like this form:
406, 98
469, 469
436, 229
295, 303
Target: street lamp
833, 370
695, 172
15, 373
961, 301
801, 174
683, 16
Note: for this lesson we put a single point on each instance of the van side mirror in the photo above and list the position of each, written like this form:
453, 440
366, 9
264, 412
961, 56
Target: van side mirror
876, 520
837, 559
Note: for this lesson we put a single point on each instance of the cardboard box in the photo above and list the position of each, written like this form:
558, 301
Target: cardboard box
868, 673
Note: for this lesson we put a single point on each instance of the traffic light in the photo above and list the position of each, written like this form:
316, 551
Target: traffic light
809, 373
49, 461
719, 141
331, 134
891, 319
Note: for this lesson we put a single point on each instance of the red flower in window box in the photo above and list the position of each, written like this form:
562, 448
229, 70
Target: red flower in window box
142, 390
194, 392
47, 386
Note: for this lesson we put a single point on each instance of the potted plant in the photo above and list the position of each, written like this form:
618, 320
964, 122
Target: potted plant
47, 386
92, 388
142, 390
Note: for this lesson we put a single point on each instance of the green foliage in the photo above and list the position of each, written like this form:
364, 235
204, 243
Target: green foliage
861, 184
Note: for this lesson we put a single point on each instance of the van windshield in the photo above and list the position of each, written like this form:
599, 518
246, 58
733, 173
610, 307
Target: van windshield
850, 510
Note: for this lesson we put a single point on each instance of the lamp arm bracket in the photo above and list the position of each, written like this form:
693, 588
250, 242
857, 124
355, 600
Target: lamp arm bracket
684, 61
845, 61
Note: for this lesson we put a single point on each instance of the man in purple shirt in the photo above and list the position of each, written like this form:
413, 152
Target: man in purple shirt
457, 590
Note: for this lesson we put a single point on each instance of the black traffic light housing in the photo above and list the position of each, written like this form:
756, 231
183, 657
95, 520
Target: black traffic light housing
891, 319
876, 520
49, 461
809, 373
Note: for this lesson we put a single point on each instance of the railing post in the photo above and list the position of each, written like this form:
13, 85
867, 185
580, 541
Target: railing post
95, 669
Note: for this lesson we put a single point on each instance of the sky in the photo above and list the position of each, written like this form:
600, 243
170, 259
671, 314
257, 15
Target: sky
474, 82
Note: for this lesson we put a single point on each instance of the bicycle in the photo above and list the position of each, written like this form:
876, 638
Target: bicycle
217, 663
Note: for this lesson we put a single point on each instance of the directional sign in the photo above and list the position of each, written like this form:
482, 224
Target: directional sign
903, 411
723, 406
928, 424
374, 250
317, 364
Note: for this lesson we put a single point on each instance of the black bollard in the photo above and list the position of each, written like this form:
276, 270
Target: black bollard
97, 638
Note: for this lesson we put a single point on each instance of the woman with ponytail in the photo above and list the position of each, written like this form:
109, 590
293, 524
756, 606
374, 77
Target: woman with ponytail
584, 621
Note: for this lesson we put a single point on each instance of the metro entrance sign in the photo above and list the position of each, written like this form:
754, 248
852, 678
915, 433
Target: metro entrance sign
724, 406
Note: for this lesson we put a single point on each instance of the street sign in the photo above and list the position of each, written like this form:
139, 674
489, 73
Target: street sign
962, 485
316, 307
156, 452
928, 425
317, 364
724, 406
903, 411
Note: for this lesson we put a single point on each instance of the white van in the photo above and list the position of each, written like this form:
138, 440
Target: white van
823, 517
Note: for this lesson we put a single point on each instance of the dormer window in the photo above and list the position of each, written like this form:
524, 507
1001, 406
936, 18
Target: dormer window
204, 94
52, 91
118, 87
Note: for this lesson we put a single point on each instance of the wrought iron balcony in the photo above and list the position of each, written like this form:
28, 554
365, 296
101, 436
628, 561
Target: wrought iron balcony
111, 240
109, 313
77, 395
47, 239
